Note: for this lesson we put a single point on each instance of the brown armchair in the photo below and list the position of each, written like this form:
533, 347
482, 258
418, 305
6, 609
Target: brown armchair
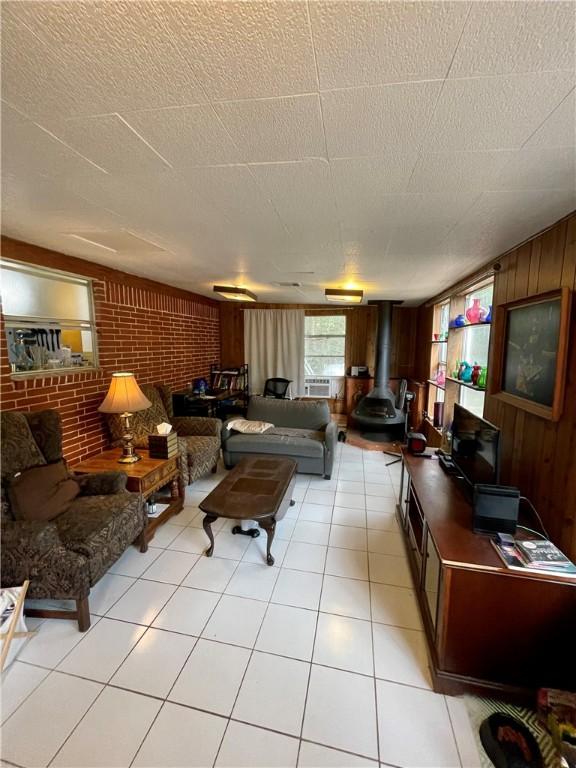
65, 557
198, 436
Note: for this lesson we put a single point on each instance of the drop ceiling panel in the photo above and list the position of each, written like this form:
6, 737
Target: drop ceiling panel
28, 146
114, 56
495, 112
380, 175
366, 43
539, 168
372, 121
559, 129
245, 49
268, 130
448, 171
122, 241
111, 143
186, 136
302, 195
514, 37
201, 128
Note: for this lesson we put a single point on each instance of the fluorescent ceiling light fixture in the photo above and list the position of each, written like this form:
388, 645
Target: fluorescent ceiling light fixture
236, 294
344, 295
93, 242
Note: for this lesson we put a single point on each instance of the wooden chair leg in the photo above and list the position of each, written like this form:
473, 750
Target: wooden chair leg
83, 613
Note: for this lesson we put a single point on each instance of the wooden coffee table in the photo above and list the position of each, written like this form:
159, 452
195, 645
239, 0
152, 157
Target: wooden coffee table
146, 477
256, 489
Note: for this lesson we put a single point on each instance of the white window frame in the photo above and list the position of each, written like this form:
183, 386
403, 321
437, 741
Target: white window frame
54, 323
326, 336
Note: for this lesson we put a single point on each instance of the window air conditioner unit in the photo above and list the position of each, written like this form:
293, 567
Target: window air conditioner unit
317, 388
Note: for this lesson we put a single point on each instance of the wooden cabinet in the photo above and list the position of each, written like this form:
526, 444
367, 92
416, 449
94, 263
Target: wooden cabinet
489, 629
357, 387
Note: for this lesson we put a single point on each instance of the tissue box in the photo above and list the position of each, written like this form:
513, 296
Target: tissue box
163, 446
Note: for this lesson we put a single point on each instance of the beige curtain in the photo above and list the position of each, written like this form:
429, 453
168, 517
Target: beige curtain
274, 347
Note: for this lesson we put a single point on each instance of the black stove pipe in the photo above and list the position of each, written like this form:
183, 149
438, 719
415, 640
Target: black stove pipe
383, 344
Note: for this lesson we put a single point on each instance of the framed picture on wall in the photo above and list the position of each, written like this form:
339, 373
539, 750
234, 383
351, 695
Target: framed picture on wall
531, 346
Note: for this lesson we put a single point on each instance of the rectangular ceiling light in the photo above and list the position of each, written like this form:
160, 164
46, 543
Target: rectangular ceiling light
344, 295
236, 294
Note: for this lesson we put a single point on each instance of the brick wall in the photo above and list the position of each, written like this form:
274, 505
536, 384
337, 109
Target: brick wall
159, 333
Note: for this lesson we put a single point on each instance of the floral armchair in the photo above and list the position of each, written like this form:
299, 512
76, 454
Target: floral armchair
64, 557
198, 436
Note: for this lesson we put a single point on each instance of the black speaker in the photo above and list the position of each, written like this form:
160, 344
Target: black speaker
495, 509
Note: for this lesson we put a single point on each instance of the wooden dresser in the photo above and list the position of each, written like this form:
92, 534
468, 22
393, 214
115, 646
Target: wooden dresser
489, 629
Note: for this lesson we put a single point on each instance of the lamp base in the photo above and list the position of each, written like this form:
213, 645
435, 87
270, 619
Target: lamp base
131, 459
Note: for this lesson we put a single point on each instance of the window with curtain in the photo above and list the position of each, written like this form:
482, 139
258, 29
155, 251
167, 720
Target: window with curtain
324, 345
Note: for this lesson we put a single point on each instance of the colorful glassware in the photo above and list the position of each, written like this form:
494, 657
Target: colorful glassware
488, 318
467, 373
476, 371
476, 313
482, 378
459, 321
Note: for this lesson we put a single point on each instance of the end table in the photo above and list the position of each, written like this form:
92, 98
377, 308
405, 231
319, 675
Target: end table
145, 477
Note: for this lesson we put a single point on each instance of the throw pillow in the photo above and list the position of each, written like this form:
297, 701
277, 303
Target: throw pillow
42, 493
249, 427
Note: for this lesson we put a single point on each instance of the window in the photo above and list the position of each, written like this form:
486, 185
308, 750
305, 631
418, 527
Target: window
49, 319
476, 342
324, 345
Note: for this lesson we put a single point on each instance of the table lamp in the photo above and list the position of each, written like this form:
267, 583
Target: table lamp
124, 398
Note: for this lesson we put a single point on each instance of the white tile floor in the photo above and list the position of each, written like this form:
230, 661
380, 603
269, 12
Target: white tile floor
190, 661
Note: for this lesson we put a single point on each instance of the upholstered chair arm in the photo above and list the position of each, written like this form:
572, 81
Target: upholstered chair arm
33, 550
190, 426
102, 483
226, 432
330, 443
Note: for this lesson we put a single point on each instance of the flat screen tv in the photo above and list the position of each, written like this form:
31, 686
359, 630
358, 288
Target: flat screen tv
475, 447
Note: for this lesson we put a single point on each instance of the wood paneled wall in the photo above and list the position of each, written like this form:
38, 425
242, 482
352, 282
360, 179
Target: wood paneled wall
360, 333
537, 455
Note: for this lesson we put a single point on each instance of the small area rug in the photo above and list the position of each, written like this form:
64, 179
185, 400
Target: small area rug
480, 708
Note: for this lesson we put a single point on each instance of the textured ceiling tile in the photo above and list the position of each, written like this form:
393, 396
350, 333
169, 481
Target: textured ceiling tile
422, 241
302, 194
28, 146
559, 129
372, 121
443, 171
110, 143
269, 130
539, 168
512, 37
112, 56
501, 219
246, 49
186, 136
368, 43
495, 112
381, 175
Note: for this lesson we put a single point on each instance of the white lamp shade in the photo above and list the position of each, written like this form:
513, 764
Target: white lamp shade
124, 395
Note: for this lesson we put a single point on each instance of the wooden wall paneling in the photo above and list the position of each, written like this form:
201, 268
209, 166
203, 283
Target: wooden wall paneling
553, 245
232, 336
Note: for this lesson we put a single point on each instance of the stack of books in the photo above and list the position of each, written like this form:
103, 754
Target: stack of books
535, 555
163, 446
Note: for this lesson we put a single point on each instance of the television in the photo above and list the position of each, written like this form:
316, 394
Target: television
475, 447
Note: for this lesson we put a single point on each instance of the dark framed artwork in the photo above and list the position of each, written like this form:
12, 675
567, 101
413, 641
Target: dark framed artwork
530, 350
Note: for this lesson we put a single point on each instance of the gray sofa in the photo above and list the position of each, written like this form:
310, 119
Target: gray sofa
302, 431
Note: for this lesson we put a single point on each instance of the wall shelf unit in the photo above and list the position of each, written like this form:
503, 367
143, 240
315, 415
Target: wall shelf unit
469, 342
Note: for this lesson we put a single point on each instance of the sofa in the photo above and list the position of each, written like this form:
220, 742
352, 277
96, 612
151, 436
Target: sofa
302, 431
65, 556
198, 436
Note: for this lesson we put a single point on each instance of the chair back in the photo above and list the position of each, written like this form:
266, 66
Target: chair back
276, 388
143, 423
